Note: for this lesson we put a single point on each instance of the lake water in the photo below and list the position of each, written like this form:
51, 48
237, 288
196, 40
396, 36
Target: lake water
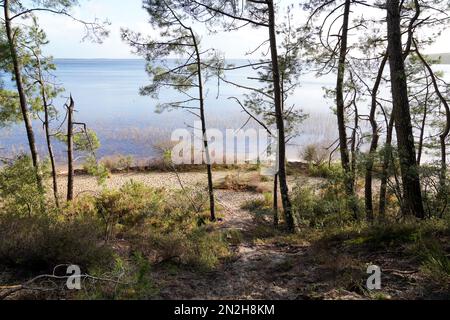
106, 94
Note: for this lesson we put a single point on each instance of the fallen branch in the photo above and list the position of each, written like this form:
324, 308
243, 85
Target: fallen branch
6, 291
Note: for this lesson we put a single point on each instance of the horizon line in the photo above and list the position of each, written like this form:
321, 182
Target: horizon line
65, 58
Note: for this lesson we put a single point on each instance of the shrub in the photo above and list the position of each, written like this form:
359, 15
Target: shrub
196, 247
135, 281
39, 243
19, 193
435, 260
436, 196
177, 233
325, 171
95, 169
243, 182
314, 155
162, 225
119, 209
260, 206
328, 206
118, 163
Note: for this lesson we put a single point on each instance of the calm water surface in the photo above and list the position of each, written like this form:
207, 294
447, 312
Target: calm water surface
107, 98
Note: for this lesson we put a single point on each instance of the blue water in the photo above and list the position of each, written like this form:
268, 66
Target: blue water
106, 94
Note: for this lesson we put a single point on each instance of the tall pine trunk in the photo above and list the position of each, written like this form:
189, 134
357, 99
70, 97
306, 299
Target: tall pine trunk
387, 156
212, 207
275, 200
412, 194
340, 110
70, 174
368, 194
22, 96
47, 133
423, 126
284, 189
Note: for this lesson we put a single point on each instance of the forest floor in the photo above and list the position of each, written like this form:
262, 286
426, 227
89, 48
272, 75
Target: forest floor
268, 266
272, 265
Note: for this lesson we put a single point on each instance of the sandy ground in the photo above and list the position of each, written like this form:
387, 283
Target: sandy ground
88, 184
169, 180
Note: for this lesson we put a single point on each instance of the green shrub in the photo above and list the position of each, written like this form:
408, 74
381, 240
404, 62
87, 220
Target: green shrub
19, 193
160, 224
392, 234
233, 236
196, 248
134, 281
119, 210
315, 155
40, 243
260, 206
436, 196
325, 171
328, 206
435, 260
178, 234
95, 169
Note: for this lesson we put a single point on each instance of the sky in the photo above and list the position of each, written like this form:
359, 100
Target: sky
65, 35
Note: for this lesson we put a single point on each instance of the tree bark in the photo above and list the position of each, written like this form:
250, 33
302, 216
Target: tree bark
385, 168
340, 109
368, 194
412, 193
275, 200
212, 207
48, 135
70, 174
423, 125
22, 96
284, 189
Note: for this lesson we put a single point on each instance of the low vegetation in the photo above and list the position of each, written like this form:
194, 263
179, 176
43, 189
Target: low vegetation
159, 227
129, 236
306, 231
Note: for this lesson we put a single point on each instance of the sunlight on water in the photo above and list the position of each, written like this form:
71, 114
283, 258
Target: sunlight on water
107, 98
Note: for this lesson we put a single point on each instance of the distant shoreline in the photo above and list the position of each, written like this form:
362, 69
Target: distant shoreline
445, 58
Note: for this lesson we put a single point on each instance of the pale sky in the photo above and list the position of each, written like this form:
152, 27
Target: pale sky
65, 35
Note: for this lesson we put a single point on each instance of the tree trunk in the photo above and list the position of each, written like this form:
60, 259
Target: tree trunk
412, 194
48, 135
275, 200
354, 145
422, 127
22, 96
212, 206
340, 110
70, 173
385, 168
284, 189
368, 194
